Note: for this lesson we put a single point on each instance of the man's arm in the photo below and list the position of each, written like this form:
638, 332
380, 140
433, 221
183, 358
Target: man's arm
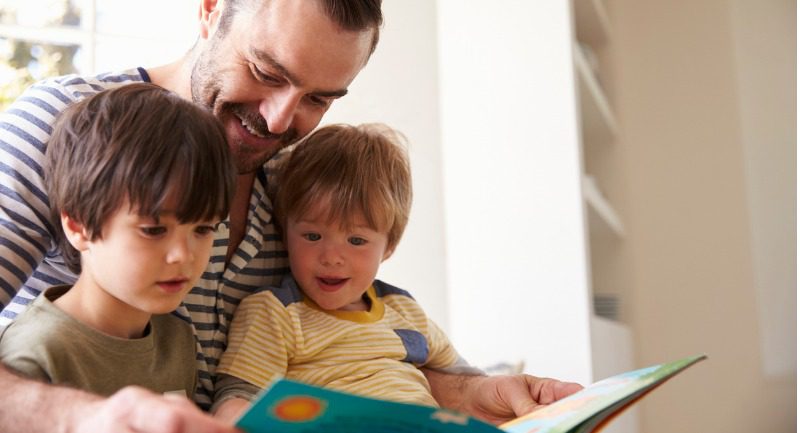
25, 226
496, 399
40, 408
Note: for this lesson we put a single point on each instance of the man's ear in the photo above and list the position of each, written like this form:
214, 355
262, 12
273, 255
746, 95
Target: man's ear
210, 11
75, 232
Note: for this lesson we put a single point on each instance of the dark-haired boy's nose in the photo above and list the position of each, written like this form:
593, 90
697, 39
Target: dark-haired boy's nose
180, 250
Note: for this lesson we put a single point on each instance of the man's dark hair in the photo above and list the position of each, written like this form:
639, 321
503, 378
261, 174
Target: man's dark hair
351, 15
137, 144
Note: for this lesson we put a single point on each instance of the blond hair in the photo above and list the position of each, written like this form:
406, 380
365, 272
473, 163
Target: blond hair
353, 169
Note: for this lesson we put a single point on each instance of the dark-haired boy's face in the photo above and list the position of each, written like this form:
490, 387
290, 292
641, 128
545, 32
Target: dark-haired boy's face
274, 74
141, 265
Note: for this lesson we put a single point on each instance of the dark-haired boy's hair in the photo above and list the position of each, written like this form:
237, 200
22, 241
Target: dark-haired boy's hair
350, 170
137, 144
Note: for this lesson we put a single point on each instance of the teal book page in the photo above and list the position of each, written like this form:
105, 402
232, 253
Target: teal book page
597, 404
293, 407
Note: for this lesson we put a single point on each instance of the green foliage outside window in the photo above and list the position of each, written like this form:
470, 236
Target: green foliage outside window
24, 62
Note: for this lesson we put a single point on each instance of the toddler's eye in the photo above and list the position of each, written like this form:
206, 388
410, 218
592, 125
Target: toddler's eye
357, 241
312, 236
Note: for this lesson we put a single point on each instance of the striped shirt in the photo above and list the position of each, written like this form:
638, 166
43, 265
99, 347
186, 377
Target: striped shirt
30, 260
282, 333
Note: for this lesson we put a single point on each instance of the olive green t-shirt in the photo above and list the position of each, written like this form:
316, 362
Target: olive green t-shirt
47, 344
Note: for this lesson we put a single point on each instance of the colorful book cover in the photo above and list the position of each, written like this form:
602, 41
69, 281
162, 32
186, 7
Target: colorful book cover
293, 407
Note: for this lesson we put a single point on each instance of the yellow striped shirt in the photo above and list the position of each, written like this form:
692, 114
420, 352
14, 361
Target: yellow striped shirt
281, 333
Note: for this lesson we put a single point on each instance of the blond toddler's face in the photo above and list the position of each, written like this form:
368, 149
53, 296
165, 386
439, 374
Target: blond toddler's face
334, 266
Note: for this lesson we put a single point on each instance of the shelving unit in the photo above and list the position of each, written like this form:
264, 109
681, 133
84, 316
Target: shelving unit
602, 216
611, 338
612, 353
598, 126
591, 21
597, 118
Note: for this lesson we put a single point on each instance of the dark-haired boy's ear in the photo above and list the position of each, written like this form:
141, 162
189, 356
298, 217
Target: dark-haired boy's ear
75, 233
210, 11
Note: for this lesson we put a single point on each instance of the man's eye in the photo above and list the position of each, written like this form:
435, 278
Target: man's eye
153, 231
262, 76
312, 236
320, 100
357, 241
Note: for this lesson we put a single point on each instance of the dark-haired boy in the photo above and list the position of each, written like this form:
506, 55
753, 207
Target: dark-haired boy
137, 178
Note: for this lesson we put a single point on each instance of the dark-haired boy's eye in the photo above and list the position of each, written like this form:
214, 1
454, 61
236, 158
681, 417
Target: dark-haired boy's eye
206, 229
313, 237
153, 231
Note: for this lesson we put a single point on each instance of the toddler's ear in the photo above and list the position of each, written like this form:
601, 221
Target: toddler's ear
75, 232
388, 253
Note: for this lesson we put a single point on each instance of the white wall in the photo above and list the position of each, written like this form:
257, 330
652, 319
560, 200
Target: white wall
516, 256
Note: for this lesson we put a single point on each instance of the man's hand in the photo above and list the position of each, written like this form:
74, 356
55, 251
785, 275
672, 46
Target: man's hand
134, 409
36, 407
497, 399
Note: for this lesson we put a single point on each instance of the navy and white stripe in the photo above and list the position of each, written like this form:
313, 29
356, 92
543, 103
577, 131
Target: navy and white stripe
29, 257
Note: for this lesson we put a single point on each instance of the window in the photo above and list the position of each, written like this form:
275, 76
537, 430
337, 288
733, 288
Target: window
44, 38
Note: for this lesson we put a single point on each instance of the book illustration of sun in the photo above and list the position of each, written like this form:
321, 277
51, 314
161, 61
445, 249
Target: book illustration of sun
298, 408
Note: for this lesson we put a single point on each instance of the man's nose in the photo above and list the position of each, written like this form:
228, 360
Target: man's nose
279, 109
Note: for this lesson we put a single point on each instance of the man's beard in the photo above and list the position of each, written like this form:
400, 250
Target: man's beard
206, 87
250, 158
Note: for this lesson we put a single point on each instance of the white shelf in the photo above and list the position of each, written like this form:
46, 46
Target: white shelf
601, 214
597, 119
591, 22
613, 347
612, 353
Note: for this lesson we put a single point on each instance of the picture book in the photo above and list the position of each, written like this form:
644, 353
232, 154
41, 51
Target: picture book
293, 407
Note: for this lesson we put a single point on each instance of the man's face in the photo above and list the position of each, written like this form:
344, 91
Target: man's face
274, 73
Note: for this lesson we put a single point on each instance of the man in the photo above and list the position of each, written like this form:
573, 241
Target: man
269, 70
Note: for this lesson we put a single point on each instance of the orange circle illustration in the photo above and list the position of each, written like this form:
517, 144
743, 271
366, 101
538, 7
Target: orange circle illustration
298, 409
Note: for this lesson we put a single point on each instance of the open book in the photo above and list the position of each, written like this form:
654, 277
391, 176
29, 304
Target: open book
293, 407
